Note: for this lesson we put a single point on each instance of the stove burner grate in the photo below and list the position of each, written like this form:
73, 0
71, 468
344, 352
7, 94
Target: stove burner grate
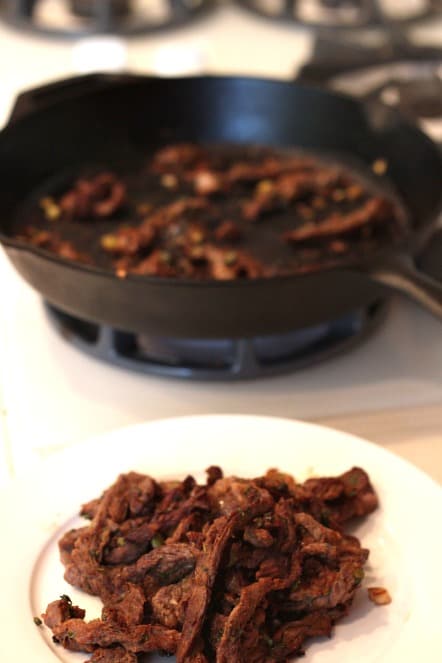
80, 18
219, 359
343, 14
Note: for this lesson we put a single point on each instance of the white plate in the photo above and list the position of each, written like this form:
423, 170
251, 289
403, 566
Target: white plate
404, 535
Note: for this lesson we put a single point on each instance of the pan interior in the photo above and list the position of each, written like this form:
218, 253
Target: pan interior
263, 239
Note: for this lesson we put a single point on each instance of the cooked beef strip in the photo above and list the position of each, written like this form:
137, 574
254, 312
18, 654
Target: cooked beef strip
289, 638
231, 495
126, 607
114, 655
230, 644
170, 602
101, 196
77, 635
215, 543
375, 210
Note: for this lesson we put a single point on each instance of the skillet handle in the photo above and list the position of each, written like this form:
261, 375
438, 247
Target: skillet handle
45, 96
400, 273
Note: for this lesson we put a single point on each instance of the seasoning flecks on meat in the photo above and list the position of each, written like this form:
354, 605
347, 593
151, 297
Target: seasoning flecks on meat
233, 570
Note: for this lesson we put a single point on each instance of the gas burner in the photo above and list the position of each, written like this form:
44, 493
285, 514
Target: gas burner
79, 18
344, 13
399, 75
414, 88
219, 359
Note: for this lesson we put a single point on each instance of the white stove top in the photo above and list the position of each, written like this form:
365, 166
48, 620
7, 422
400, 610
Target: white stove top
52, 395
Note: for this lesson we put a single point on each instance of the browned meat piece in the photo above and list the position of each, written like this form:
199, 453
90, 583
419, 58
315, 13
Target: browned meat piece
274, 566
166, 565
214, 473
99, 197
207, 181
346, 496
226, 265
279, 483
125, 547
186, 207
83, 570
273, 195
289, 638
89, 509
159, 263
52, 241
258, 537
233, 495
114, 655
132, 495
326, 588
176, 157
128, 240
170, 602
228, 231
215, 543
189, 525
125, 608
67, 543
375, 210
177, 503
230, 645
270, 167
77, 635
60, 611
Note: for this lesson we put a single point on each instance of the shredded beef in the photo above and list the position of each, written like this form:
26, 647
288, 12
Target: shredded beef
233, 571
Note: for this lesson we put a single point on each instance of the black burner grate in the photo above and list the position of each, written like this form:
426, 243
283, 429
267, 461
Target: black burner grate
343, 14
77, 18
219, 359
396, 74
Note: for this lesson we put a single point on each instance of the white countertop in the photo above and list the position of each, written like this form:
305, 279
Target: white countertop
389, 389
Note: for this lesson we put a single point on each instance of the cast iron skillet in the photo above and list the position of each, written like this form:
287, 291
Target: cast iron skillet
59, 127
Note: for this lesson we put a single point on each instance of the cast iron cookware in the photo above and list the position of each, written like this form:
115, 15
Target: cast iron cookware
106, 118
